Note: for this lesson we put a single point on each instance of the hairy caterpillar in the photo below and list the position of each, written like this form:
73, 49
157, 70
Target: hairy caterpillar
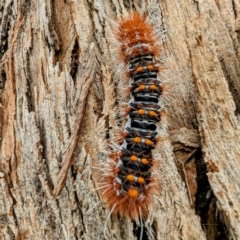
128, 181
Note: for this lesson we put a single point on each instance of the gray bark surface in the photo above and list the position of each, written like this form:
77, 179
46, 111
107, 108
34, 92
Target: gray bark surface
58, 106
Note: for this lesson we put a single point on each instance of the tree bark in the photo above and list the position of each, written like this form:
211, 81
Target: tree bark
59, 106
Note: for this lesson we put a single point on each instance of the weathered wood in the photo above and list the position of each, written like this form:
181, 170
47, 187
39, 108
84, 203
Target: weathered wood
83, 88
59, 104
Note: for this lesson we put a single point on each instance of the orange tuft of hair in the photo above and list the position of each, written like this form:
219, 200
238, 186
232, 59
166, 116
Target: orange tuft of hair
136, 37
131, 204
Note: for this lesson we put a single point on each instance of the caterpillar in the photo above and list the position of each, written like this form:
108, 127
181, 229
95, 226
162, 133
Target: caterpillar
127, 180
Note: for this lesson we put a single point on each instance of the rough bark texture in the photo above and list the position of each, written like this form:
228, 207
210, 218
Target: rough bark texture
59, 105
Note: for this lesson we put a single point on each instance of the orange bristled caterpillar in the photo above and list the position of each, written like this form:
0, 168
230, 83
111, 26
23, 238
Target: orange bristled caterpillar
128, 179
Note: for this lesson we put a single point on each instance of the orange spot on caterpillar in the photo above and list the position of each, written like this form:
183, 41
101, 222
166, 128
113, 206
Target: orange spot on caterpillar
144, 161
139, 69
133, 193
137, 139
141, 180
148, 142
142, 87
130, 178
150, 67
153, 87
133, 158
140, 111
151, 113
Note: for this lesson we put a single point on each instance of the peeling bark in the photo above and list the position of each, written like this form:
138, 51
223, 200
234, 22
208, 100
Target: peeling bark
58, 107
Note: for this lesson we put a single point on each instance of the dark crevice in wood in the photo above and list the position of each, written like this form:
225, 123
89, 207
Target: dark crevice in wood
214, 226
206, 203
58, 50
197, 5
154, 226
29, 93
74, 61
48, 43
3, 79
107, 127
234, 9
10, 233
204, 197
81, 215
5, 27
55, 43
59, 157
137, 232
204, 190
74, 170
